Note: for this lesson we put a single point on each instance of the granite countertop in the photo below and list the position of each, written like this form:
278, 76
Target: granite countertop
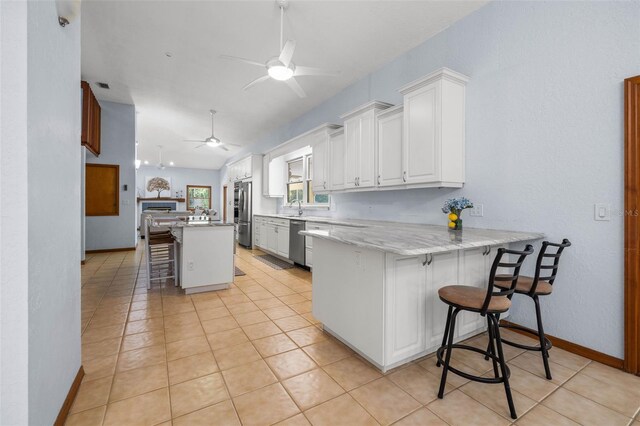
200, 225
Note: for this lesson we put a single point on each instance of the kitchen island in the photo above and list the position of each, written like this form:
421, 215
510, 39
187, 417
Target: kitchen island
375, 284
205, 255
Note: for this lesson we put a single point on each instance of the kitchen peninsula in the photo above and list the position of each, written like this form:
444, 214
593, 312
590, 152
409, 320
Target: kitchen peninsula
375, 284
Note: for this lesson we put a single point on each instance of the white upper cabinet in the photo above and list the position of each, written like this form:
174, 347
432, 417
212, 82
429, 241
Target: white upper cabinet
433, 129
390, 161
273, 172
336, 165
241, 169
360, 144
320, 153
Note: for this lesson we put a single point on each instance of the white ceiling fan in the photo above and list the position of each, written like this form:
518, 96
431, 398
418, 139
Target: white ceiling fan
281, 68
212, 141
160, 164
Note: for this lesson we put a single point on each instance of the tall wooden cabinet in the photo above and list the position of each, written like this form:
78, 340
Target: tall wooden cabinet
91, 119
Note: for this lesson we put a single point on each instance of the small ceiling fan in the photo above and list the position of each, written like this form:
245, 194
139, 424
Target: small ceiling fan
281, 68
160, 164
212, 141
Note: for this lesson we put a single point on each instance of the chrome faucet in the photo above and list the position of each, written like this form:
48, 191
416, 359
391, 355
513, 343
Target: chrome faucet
300, 211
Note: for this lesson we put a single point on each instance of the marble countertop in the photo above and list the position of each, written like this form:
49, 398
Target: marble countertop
413, 240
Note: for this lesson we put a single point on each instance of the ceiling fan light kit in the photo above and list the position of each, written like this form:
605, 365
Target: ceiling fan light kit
280, 68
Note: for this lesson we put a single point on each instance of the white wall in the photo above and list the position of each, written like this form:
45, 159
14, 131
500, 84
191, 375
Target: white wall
14, 266
117, 147
544, 143
180, 178
40, 228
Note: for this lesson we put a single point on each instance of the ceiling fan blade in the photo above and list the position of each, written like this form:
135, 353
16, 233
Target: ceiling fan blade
231, 144
256, 81
199, 146
314, 71
223, 147
239, 59
296, 87
287, 52
193, 140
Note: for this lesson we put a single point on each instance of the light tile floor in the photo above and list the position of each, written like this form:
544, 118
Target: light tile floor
254, 354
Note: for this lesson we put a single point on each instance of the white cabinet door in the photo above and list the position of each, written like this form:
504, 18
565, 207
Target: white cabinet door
405, 316
336, 161
319, 152
272, 238
265, 174
366, 175
283, 241
473, 272
352, 151
421, 135
390, 149
442, 271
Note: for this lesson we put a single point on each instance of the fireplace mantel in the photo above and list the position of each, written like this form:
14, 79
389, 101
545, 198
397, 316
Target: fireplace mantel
179, 200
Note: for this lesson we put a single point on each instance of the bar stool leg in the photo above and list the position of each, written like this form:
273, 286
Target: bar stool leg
446, 331
503, 366
543, 344
491, 348
452, 327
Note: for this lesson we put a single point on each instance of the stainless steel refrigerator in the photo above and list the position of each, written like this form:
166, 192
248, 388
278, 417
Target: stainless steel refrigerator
242, 212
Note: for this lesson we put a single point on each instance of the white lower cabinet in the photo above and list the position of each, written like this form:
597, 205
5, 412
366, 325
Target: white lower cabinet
386, 306
406, 308
272, 235
282, 232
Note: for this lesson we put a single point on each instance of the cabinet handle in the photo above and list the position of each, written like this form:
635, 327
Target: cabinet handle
378, 179
489, 250
324, 185
484, 251
404, 176
428, 258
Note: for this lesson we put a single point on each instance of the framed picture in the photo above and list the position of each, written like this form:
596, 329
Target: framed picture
198, 197
158, 187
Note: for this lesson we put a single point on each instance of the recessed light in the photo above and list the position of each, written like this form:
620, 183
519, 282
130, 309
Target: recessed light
146, 162
171, 163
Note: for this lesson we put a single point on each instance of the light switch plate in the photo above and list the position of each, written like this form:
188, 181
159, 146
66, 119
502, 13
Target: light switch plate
477, 210
602, 212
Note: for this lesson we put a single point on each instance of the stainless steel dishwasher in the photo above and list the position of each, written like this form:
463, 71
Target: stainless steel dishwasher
296, 241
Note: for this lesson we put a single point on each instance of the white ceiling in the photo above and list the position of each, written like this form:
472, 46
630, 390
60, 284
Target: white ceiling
124, 43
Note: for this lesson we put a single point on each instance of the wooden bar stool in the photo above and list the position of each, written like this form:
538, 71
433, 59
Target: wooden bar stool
487, 303
541, 284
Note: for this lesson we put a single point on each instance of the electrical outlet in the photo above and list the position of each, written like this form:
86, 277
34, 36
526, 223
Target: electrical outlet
190, 265
477, 210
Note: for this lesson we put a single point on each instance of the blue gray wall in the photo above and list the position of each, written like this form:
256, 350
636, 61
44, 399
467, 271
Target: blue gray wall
117, 147
544, 143
52, 206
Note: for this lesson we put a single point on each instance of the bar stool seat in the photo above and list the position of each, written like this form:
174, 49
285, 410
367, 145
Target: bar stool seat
525, 284
472, 298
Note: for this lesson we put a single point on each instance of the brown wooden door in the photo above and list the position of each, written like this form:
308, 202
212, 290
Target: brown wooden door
224, 203
102, 190
632, 225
